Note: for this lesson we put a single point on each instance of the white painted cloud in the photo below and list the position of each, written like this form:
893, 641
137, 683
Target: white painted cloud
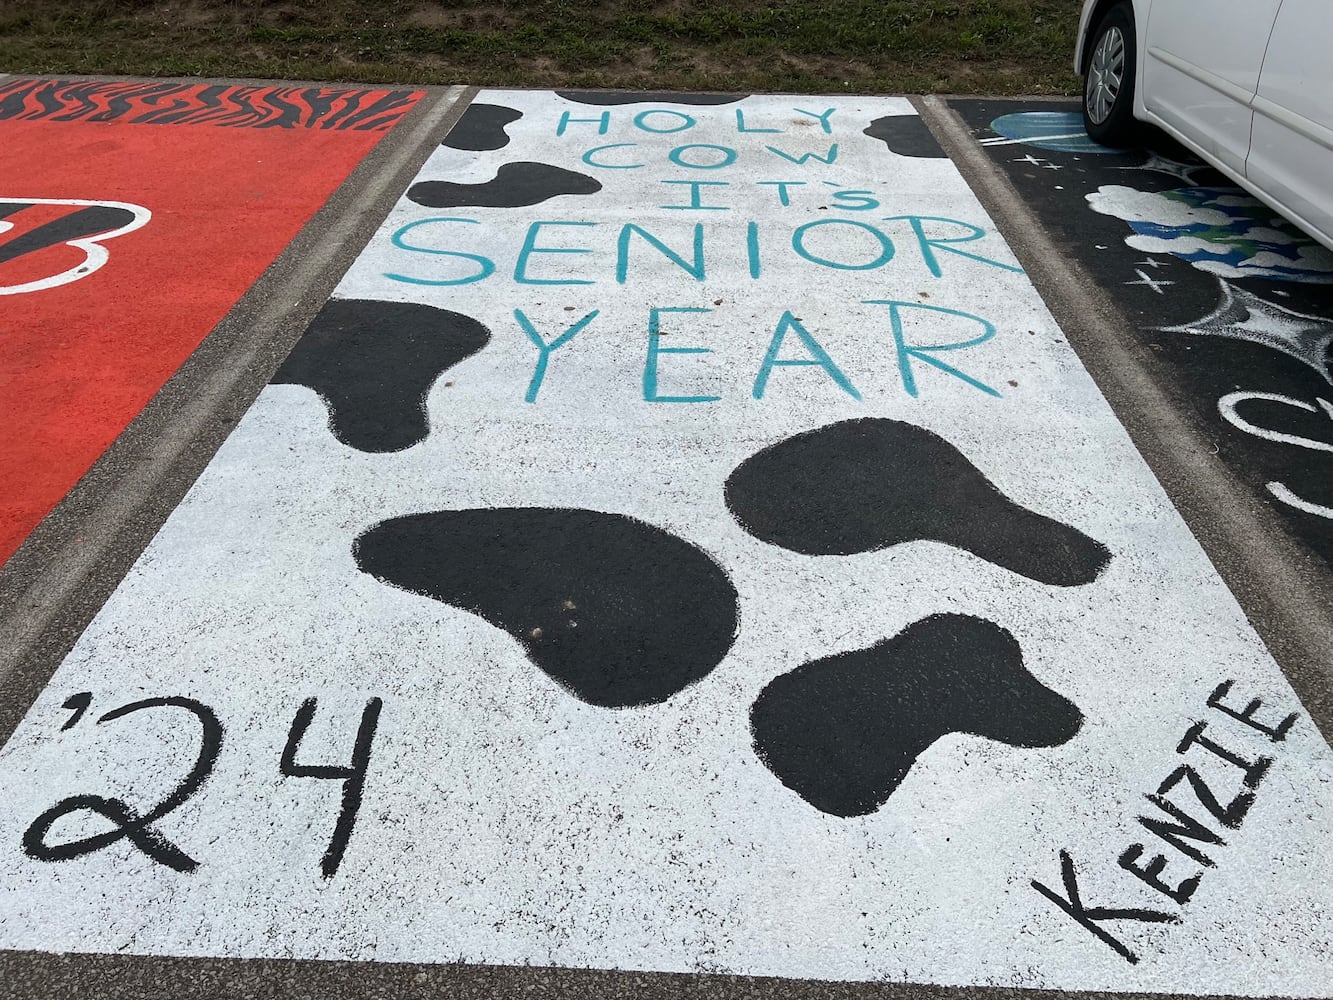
1180, 246
1133, 205
1191, 224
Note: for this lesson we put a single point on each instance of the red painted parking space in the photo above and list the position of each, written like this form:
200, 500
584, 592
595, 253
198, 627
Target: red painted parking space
132, 217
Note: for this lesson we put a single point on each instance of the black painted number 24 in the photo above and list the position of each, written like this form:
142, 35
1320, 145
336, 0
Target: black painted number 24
127, 823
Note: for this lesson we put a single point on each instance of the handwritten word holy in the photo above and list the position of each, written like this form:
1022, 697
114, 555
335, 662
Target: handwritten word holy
695, 156
664, 121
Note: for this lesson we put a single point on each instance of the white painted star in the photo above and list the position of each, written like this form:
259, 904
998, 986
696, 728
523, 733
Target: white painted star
1154, 264
1036, 161
1244, 316
1155, 285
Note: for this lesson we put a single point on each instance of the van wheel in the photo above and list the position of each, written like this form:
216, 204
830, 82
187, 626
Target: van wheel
1108, 81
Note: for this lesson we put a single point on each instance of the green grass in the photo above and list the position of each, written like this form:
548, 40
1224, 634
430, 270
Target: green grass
892, 46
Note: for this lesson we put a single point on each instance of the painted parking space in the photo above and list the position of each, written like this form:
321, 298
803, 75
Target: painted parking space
1234, 302
133, 216
685, 542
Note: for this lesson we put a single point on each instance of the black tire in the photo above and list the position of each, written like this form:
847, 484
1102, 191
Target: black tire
1112, 46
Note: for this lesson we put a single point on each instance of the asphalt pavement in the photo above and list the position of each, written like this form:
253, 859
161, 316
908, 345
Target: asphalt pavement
592, 544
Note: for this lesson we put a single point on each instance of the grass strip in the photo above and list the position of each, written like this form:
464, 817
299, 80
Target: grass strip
831, 46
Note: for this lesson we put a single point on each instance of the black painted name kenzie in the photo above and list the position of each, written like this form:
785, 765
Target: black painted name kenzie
1178, 827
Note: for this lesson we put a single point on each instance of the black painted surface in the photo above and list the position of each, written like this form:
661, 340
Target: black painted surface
514, 186
611, 98
482, 127
906, 135
618, 612
79, 223
843, 732
1197, 370
373, 364
866, 484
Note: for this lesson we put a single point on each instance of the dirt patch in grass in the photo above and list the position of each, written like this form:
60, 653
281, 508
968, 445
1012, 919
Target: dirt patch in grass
890, 46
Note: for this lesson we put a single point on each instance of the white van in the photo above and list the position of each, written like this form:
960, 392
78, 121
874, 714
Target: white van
1246, 84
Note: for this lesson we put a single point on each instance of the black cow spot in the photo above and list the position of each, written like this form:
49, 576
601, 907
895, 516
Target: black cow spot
843, 732
514, 185
616, 611
606, 98
482, 127
861, 485
906, 135
373, 364
77, 224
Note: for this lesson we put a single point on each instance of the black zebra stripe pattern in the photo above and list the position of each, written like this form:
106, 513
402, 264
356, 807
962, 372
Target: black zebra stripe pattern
227, 105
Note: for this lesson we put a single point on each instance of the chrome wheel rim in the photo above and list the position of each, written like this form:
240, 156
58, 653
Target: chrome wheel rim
1106, 73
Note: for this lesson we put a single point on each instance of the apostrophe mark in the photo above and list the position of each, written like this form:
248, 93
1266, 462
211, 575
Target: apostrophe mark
861, 485
842, 732
618, 612
373, 364
77, 704
514, 185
